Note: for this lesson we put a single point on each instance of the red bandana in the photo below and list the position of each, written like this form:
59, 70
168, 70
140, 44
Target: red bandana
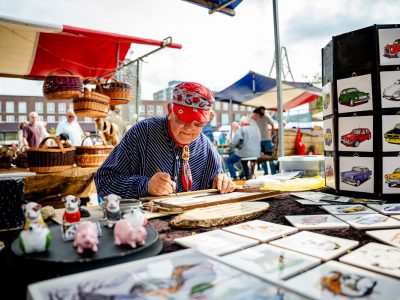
186, 174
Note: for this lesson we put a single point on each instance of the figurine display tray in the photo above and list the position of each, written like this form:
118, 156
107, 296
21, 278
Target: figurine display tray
62, 257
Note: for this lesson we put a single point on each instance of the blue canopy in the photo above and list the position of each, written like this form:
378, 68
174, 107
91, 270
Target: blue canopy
255, 89
223, 6
246, 88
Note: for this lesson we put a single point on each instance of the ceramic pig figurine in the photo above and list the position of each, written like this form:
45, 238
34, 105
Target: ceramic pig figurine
112, 211
35, 239
72, 213
33, 214
86, 237
124, 233
136, 217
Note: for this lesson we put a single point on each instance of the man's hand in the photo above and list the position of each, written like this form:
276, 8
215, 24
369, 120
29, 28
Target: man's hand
224, 184
161, 184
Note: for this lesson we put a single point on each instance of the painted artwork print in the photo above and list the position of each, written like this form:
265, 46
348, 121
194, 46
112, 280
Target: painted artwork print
355, 137
375, 257
356, 176
337, 281
322, 246
271, 262
183, 275
353, 96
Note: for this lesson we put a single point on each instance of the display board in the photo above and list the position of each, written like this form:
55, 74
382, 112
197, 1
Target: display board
361, 107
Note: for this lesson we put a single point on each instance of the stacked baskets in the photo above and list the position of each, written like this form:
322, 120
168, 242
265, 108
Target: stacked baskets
51, 159
57, 87
92, 104
92, 156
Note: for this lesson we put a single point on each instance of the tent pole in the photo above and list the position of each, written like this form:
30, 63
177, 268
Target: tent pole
137, 89
278, 61
230, 117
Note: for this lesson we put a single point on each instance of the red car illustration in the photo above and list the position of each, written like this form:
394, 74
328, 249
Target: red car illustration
393, 50
355, 137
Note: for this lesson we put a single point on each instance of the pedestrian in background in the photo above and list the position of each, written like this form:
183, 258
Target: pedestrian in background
264, 120
31, 133
71, 127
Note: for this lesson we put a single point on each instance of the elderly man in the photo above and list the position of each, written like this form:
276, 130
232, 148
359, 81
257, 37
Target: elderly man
71, 128
159, 156
31, 132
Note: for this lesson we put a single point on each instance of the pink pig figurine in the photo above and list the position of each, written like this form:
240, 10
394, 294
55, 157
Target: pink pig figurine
124, 233
86, 237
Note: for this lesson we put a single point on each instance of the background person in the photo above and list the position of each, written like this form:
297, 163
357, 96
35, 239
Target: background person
31, 133
21, 134
71, 127
161, 155
263, 120
246, 140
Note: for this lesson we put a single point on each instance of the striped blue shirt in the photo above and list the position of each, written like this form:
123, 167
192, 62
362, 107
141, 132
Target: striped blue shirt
146, 149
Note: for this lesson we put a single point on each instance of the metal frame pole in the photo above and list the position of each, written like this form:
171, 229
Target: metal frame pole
281, 138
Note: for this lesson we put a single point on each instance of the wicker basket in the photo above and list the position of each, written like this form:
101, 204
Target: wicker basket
22, 159
92, 104
119, 92
51, 159
60, 87
92, 156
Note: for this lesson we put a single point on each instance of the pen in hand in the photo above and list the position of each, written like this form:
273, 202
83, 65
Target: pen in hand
174, 190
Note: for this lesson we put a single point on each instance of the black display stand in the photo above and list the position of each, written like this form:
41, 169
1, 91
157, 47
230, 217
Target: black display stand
361, 109
62, 258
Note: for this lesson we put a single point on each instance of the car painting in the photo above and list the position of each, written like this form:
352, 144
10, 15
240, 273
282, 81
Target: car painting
393, 179
328, 138
329, 171
355, 137
352, 96
393, 135
356, 176
327, 100
392, 50
392, 92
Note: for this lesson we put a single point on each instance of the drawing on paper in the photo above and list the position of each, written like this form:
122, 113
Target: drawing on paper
370, 220
348, 284
314, 220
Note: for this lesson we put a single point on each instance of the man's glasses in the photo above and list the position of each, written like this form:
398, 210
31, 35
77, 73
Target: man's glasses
71, 116
195, 123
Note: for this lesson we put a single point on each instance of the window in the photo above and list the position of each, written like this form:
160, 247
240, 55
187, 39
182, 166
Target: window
141, 110
150, 110
214, 121
22, 107
88, 120
217, 105
51, 107
51, 119
71, 106
249, 108
242, 108
22, 118
62, 118
10, 119
9, 107
40, 118
225, 106
235, 107
159, 110
62, 108
39, 107
224, 119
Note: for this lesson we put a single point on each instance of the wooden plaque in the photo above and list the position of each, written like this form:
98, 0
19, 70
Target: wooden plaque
204, 198
222, 214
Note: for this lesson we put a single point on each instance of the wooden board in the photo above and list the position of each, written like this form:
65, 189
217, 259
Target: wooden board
222, 214
204, 198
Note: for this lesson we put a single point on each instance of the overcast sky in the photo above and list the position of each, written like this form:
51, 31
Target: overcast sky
217, 49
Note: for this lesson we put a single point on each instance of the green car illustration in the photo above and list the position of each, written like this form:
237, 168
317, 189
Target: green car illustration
352, 97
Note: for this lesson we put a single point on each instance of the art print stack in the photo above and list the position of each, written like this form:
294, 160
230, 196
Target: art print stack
361, 101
